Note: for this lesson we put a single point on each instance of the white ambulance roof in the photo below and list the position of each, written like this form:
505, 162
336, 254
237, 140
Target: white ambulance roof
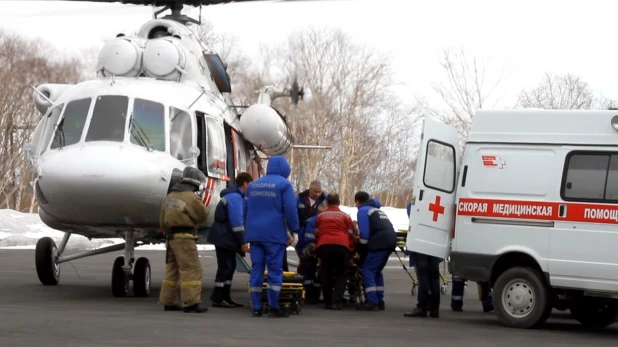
544, 127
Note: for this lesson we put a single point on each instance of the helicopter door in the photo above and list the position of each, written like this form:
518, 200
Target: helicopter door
232, 161
433, 212
201, 142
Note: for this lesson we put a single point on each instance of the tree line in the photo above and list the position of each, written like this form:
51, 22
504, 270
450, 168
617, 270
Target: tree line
353, 106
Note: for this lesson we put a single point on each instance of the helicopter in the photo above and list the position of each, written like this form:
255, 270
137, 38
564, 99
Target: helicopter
107, 151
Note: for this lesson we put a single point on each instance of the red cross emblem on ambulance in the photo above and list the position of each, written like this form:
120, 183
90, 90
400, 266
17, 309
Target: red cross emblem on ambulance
436, 208
493, 161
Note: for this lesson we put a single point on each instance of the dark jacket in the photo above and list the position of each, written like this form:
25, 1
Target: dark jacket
305, 209
376, 230
228, 230
270, 205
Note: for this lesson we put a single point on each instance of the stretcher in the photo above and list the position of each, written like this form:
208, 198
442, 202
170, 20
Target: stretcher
402, 236
292, 292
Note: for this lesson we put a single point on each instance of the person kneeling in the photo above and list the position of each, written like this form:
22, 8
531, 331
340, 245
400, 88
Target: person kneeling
227, 234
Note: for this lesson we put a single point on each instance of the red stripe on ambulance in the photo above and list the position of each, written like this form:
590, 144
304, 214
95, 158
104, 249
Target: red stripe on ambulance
539, 210
508, 209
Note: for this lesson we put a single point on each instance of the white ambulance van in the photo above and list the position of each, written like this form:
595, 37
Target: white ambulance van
531, 207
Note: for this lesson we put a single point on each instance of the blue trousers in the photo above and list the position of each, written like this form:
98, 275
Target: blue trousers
266, 255
309, 267
457, 293
373, 280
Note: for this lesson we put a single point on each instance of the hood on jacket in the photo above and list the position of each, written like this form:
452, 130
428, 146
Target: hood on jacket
277, 165
232, 189
377, 202
371, 202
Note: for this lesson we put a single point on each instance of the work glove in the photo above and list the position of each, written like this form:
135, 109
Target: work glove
308, 252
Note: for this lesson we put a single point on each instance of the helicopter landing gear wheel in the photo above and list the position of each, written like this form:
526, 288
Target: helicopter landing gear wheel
45, 259
120, 280
141, 278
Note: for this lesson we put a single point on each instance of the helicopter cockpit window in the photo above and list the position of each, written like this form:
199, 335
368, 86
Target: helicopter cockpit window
50, 125
148, 124
180, 134
71, 127
216, 147
108, 119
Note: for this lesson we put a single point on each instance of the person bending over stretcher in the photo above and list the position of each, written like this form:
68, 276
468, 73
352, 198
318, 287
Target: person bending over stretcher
333, 239
377, 241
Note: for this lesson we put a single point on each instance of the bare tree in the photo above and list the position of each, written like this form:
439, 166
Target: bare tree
352, 108
31, 63
562, 92
467, 89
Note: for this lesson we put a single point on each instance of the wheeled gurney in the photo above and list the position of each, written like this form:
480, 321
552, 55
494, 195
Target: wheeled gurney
292, 292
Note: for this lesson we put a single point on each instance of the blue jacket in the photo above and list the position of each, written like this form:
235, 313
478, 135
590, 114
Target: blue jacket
376, 230
306, 235
228, 230
270, 205
305, 210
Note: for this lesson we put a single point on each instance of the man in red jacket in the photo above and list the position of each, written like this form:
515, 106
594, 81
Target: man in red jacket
334, 232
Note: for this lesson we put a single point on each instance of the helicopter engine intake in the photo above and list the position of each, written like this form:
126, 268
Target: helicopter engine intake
265, 128
120, 57
164, 59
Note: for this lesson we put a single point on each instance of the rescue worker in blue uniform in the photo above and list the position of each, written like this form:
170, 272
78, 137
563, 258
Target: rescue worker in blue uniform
306, 235
270, 210
457, 294
227, 234
377, 241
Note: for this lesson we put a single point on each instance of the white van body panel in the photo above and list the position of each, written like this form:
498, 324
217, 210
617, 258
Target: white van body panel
541, 184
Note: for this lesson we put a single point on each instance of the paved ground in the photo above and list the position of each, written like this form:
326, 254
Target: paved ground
82, 312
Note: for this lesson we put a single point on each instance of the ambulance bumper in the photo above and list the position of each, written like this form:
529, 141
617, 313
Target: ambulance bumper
471, 266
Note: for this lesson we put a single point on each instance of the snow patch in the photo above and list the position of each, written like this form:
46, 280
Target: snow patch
20, 230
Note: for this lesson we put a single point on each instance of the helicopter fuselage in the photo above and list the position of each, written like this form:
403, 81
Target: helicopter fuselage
108, 148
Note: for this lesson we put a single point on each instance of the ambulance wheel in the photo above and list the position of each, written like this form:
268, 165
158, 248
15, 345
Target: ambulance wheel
594, 314
443, 290
45, 256
141, 278
120, 281
524, 298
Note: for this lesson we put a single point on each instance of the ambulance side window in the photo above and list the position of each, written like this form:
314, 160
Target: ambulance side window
440, 167
611, 190
586, 175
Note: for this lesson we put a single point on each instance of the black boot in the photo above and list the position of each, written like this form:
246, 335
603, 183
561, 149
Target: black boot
278, 313
195, 309
367, 307
227, 296
310, 295
381, 306
417, 312
218, 298
171, 308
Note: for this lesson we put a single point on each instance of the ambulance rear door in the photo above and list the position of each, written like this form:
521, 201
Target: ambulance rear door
435, 179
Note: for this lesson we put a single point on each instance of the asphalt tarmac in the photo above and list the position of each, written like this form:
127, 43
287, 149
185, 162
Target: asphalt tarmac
81, 311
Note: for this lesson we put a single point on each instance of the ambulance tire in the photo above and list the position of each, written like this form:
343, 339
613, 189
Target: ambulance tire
593, 314
522, 298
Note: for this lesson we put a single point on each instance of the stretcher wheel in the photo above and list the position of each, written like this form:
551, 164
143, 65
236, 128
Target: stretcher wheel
443, 290
413, 291
296, 307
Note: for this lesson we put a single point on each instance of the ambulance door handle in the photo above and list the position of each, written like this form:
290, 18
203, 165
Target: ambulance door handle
569, 185
420, 196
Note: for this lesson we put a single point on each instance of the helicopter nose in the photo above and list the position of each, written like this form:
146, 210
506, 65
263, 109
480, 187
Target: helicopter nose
102, 184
